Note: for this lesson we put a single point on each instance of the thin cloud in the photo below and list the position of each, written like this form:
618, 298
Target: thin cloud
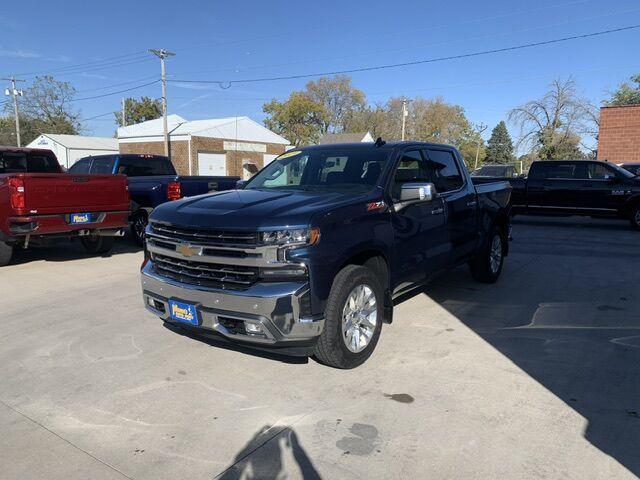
59, 58
18, 53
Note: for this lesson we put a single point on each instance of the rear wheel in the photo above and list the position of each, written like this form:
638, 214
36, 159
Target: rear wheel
6, 252
97, 245
487, 266
353, 319
635, 217
139, 223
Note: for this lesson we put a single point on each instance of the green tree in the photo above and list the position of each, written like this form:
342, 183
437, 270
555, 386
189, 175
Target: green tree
626, 94
44, 108
340, 100
137, 111
500, 146
299, 119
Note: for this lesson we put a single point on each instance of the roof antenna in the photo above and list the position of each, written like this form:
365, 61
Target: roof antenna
380, 142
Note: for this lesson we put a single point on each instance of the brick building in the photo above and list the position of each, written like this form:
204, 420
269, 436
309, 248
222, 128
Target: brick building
619, 137
235, 146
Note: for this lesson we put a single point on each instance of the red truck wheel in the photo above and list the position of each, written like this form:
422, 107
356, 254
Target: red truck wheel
6, 252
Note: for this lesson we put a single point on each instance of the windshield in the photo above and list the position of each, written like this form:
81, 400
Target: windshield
622, 171
348, 171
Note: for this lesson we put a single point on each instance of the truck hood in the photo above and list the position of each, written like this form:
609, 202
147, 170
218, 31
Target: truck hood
252, 209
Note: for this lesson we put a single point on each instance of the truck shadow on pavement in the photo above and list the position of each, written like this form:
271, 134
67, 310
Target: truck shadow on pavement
577, 333
69, 251
273, 453
219, 342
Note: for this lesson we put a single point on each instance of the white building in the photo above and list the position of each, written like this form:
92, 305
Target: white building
235, 146
70, 148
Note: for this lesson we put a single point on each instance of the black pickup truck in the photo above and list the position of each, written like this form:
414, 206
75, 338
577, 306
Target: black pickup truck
310, 255
579, 187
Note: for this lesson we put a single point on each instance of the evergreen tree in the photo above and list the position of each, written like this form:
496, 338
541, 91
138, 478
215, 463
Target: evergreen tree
500, 146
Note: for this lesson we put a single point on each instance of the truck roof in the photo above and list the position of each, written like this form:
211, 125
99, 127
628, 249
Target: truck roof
369, 145
25, 150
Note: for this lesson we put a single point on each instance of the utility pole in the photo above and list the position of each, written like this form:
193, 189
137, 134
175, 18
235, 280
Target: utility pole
481, 128
124, 112
405, 114
162, 54
15, 93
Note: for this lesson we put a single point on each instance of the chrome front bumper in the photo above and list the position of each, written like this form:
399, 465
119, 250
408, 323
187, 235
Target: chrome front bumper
278, 308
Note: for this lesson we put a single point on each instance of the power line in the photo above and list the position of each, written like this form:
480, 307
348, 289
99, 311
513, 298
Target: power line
97, 116
115, 93
129, 82
228, 83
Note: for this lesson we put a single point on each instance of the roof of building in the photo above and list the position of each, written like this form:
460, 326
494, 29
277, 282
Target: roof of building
230, 128
331, 138
81, 142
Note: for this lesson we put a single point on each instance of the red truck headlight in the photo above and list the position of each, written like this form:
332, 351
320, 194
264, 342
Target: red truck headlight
174, 191
16, 193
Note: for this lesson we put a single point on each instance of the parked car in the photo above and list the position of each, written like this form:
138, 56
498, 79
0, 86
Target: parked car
495, 171
152, 181
39, 204
632, 168
579, 187
309, 257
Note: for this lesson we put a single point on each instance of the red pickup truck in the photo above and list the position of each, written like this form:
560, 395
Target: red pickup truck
40, 204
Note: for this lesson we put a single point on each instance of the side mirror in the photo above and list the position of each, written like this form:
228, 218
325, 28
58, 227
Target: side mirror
240, 184
411, 193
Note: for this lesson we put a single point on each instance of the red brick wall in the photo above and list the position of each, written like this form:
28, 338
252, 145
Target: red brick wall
619, 137
180, 153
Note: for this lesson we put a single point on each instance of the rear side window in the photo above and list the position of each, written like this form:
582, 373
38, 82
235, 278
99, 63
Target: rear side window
81, 166
144, 166
21, 162
448, 175
553, 169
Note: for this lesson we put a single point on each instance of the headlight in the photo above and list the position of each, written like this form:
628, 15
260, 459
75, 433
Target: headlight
292, 236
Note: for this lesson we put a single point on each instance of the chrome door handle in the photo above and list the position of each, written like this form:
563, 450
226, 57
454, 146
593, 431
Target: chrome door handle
472, 204
437, 211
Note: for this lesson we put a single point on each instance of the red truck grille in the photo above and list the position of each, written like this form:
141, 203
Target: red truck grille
213, 275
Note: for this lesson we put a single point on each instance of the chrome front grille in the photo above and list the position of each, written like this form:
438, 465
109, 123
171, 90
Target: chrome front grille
205, 236
205, 274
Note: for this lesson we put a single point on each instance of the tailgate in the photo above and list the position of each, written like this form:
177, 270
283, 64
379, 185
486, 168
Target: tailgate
64, 193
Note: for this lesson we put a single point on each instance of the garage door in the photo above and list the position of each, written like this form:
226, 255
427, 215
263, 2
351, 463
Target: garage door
214, 164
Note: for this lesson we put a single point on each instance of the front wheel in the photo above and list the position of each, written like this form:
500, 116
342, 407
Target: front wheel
353, 319
6, 252
98, 245
635, 217
487, 266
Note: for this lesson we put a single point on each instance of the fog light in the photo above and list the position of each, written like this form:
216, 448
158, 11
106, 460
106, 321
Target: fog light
253, 327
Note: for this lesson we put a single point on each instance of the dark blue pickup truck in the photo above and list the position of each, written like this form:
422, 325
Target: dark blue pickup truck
310, 255
152, 181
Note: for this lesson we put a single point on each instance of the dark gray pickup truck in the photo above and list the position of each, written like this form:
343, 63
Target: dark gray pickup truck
310, 255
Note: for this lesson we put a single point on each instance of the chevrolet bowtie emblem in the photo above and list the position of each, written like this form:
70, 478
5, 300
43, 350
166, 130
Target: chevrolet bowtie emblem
188, 251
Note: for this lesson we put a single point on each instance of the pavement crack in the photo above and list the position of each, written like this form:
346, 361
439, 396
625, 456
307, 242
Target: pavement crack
108, 465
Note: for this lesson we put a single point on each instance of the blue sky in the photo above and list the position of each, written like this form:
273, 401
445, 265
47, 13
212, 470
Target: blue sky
233, 40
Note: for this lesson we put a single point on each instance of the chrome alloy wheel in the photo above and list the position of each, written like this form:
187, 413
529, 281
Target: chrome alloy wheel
359, 318
495, 255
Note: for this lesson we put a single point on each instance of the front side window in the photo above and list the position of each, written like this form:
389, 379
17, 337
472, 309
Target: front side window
102, 165
448, 175
347, 171
81, 166
411, 168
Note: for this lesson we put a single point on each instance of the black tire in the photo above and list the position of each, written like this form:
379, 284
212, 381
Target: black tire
6, 252
635, 216
98, 245
331, 348
481, 267
139, 221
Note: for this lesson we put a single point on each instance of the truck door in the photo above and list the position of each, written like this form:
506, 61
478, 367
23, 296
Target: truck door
602, 190
553, 186
421, 246
460, 202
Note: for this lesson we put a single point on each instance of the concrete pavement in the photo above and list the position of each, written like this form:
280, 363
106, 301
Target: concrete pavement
535, 376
